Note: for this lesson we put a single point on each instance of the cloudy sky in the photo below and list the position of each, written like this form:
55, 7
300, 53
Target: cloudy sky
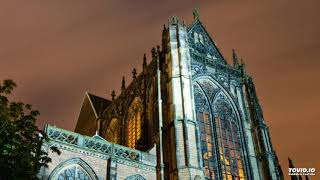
57, 50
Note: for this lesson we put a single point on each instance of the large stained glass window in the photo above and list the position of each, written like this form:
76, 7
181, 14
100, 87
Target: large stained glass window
134, 123
206, 141
228, 142
219, 134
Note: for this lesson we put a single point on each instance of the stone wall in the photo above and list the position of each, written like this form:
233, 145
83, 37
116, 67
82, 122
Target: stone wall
98, 165
95, 157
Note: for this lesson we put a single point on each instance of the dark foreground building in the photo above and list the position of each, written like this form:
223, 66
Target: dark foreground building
187, 115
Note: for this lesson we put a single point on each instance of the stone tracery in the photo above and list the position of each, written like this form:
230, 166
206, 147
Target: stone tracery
219, 132
134, 123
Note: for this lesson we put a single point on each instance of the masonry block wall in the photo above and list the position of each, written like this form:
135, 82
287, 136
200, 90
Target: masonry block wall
93, 158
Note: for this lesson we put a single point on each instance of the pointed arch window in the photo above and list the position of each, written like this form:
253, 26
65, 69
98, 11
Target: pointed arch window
73, 172
206, 137
112, 131
135, 177
74, 168
219, 133
228, 140
134, 123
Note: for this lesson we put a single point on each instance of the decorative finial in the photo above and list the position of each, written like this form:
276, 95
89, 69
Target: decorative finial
113, 95
144, 65
241, 61
123, 84
144, 59
290, 163
175, 20
233, 52
134, 73
195, 14
235, 59
243, 67
153, 52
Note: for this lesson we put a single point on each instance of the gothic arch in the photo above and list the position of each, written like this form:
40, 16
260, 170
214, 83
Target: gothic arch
221, 99
86, 172
112, 112
135, 177
112, 131
228, 124
206, 140
198, 77
229, 138
228, 96
134, 122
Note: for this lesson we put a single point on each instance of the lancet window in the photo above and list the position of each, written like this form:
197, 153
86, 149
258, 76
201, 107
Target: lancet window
219, 133
134, 123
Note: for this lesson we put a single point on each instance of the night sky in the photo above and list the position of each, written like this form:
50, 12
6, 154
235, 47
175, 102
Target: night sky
57, 50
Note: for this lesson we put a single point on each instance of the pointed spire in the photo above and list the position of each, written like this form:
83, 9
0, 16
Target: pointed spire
158, 49
243, 67
153, 52
134, 73
290, 163
241, 61
113, 95
195, 14
144, 59
175, 20
235, 59
164, 31
144, 65
123, 84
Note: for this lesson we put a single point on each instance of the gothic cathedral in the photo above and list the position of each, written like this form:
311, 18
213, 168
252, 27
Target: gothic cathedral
187, 115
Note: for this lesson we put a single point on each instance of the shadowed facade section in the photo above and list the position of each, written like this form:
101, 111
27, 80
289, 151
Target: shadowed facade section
90, 114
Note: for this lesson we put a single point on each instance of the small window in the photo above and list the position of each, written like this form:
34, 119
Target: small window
196, 38
201, 39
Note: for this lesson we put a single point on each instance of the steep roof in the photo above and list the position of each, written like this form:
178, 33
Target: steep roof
91, 109
211, 47
98, 103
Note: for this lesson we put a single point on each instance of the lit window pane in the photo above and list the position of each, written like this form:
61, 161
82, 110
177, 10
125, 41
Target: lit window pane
218, 134
134, 123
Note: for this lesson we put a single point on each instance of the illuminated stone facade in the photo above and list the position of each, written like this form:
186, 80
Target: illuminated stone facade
211, 123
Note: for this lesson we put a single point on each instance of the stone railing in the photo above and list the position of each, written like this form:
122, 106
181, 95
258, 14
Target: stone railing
98, 145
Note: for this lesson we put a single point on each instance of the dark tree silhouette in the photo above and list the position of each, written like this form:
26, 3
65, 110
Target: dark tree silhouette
21, 156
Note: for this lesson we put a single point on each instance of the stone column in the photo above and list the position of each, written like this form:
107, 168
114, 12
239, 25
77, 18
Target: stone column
181, 122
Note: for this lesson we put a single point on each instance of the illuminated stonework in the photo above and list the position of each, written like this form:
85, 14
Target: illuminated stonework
211, 122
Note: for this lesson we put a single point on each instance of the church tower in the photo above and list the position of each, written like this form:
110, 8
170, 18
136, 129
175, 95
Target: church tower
182, 153
213, 123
